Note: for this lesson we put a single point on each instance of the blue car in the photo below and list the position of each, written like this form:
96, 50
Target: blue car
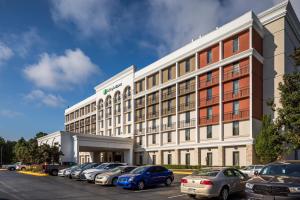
145, 176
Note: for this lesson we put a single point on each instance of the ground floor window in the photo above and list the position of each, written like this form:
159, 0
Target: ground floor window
236, 158
187, 159
169, 159
209, 159
154, 159
141, 159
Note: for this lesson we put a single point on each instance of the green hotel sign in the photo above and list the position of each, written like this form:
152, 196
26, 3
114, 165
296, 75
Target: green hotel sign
107, 90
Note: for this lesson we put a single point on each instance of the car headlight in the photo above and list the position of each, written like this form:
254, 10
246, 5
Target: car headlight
294, 189
249, 186
131, 179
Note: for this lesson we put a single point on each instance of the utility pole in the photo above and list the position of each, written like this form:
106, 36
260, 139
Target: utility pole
1, 154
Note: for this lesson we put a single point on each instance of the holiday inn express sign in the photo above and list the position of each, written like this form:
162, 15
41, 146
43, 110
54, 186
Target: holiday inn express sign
107, 90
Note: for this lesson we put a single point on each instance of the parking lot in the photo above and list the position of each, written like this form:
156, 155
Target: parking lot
21, 187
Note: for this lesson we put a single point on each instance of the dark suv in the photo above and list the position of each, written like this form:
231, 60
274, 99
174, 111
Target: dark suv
280, 180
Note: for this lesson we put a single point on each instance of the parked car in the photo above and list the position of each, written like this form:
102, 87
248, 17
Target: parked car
69, 171
249, 170
111, 177
11, 167
54, 168
145, 176
280, 180
90, 174
22, 166
66, 171
213, 183
77, 172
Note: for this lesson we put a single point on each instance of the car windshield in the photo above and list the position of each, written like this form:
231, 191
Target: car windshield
139, 170
116, 170
88, 166
102, 166
282, 170
211, 173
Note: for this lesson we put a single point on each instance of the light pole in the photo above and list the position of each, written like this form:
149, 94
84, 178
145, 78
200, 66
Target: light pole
1, 154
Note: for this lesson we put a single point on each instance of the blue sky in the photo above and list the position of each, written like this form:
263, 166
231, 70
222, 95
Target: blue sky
53, 53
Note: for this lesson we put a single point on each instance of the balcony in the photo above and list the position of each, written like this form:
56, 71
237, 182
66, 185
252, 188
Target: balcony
139, 131
231, 95
139, 104
232, 74
240, 115
187, 89
214, 119
117, 112
168, 127
168, 111
209, 101
152, 100
139, 118
207, 83
187, 124
168, 95
152, 115
153, 129
186, 106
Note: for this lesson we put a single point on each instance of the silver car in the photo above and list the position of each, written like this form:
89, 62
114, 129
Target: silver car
111, 177
90, 174
214, 183
251, 169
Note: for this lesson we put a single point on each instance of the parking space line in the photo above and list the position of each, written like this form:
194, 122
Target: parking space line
180, 195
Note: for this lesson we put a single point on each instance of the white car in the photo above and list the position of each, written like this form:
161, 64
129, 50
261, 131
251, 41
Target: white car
249, 170
90, 174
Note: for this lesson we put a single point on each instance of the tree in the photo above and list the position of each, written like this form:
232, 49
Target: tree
39, 135
22, 151
268, 144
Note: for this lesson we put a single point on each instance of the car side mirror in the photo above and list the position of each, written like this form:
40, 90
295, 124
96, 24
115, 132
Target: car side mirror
256, 173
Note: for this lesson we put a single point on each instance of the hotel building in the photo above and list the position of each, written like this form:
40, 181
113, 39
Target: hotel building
199, 105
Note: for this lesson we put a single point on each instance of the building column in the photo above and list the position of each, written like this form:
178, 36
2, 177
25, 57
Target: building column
128, 156
221, 156
160, 159
250, 155
76, 158
197, 156
177, 157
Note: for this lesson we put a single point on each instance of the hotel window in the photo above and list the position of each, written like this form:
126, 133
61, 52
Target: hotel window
169, 136
109, 132
209, 56
209, 132
140, 113
169, 105
235, 128
187, 135
187, 117
169, 90
153, 124
187, 159
236, 106
209, 159
236, 87
236, 68
140, 141
129, 128
153, 139
128, 104
141, 159
209, 113
119, 119
140, 127
140, 85
209, 77
153, 159
209, 94
235, 158
187, 100
169, 121
109, 121
169, 159
169, 73
187, 65
154, 80
235, 46
153, 97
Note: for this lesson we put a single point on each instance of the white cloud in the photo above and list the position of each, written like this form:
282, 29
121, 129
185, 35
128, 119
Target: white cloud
10, 113
61, 72
5, 53
88, 16
41, 97
26, 41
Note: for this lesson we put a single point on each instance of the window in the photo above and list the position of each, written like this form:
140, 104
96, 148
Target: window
236, 158
236, 87
153, 139
154, 80
169, 137
169, 105
169, 90
141, 159
187, 65
187, 158
140, 141
235, 128
140, 85
129, 128
187, 100
187, 117
153, 110
109, 121
153, 124
169, 73
209, 113
129, 104
119, 119
236, 68
169, 121
129, 116
236, 106
209, 56
209, 159
235, 45
153, 96
140, 127
209, 94
109, 132
209, 131
169, 159
153, 159
209, 76
187, 134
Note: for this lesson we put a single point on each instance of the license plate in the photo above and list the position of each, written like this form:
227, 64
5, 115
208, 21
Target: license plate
191, 190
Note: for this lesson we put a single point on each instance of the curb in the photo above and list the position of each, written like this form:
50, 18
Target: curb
32, 173
3, 169
183, 172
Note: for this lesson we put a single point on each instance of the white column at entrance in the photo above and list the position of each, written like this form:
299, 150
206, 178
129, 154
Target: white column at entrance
128, 156
76, 149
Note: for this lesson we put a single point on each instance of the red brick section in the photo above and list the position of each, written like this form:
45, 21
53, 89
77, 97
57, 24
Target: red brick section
243, 111
203, 116
243, 44
257, 85
203, 101
228, 70
257, 42
203, 83
203, 55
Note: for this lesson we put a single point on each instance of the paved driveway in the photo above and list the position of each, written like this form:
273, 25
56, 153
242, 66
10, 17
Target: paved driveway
24, 187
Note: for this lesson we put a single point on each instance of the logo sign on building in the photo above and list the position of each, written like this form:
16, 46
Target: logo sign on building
107, 90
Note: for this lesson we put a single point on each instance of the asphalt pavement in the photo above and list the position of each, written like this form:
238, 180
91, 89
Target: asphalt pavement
15, 186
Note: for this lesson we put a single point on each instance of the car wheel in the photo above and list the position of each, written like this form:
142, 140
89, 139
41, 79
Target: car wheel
192, 196
168, 181
12, 169
54, 172
114, 181
224, 194
141, 185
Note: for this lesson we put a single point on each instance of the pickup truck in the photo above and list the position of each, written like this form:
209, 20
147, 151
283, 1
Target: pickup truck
15, 166
53, 169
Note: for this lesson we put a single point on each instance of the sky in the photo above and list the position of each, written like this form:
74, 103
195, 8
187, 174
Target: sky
54, 52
